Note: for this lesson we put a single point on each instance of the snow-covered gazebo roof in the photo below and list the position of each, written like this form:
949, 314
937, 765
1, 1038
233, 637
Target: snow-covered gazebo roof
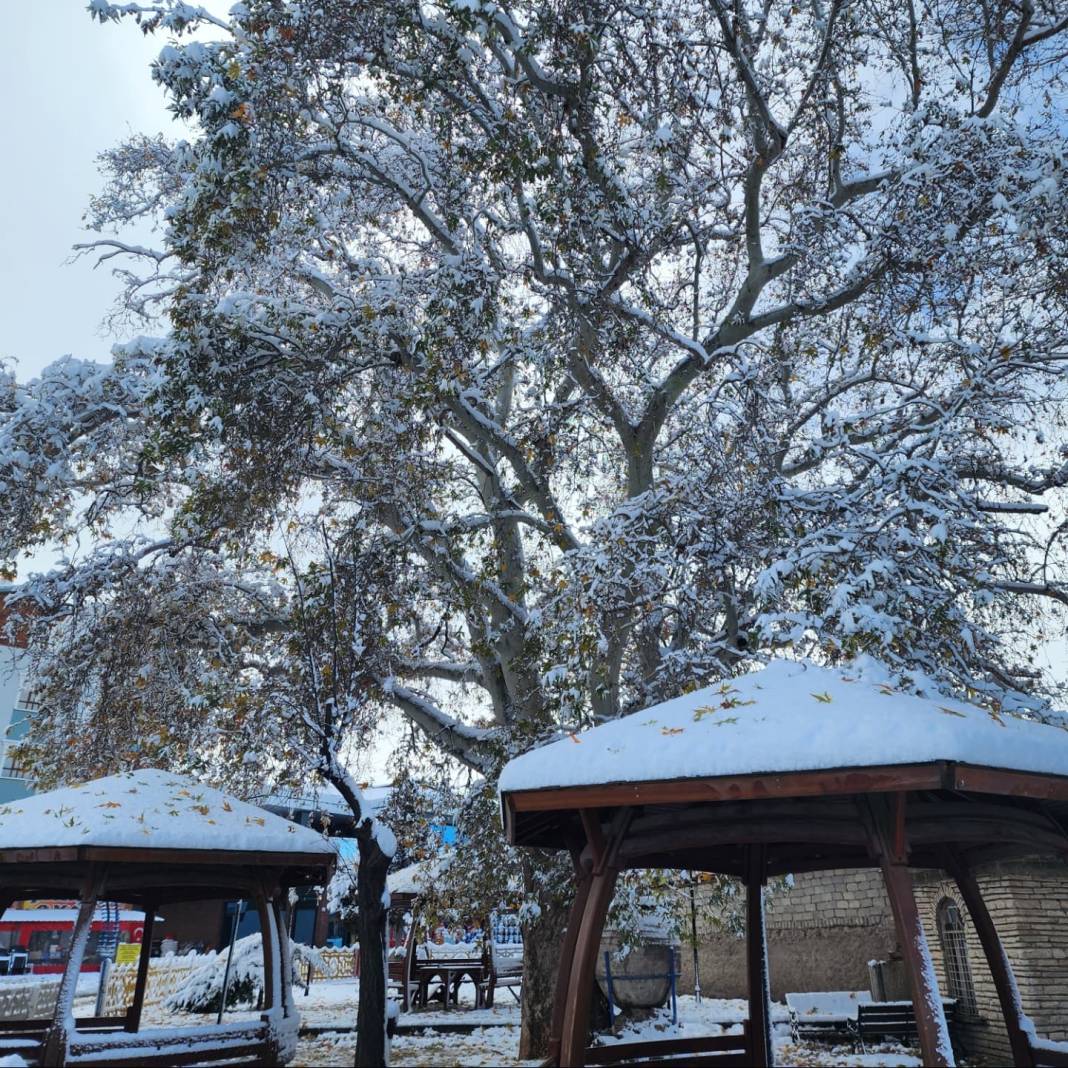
153, 818
789, 716
785, 720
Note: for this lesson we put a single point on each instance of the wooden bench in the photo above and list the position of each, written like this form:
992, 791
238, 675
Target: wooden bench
505, 969
400, 977
893, 1019
1048, 1054
826, 1014
725, 1050
243, 1044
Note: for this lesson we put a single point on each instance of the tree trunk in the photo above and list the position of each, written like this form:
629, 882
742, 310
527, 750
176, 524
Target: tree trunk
541, 958
371, 1049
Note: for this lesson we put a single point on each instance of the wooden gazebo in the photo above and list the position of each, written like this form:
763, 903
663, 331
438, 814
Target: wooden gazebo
792, 768
151, 838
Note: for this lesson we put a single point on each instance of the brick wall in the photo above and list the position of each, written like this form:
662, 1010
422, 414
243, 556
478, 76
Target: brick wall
1028, 902
823, 931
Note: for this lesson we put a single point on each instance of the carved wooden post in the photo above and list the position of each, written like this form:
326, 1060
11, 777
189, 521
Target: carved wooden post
133, 1017
567, 955
272, 997
760, 1049
58, 1036
997, 959
577, 1004
602, 883
280, 905
889, 845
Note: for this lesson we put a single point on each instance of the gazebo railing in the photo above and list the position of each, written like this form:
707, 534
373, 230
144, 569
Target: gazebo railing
725, 1050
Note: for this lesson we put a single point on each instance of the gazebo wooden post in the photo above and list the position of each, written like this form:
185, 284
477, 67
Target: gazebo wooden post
761, 1052
133, 1016
567, 955
580, 982
270, 949
58, 1036
890, 846
280, 904
272, 972
602, 883
997, 960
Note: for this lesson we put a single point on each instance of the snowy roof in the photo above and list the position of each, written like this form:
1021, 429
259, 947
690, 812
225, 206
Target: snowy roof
790, 716
64, 916
415, 878
151, 809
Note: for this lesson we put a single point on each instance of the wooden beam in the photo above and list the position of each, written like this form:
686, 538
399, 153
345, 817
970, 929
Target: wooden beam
969, 778
997, 960
576, 1015
179, 858
567, 956
931, 1023
764, 830
133, 1020
591, 824
830, 782
761, 1052
987, 831
900, 845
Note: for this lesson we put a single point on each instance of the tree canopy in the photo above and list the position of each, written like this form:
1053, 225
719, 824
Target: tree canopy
602, 347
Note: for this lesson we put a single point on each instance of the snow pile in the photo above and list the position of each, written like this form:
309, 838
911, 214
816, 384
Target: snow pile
790, 716
202, 991
151, 808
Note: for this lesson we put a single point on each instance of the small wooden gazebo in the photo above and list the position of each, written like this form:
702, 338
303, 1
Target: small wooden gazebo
793, 768
152, 838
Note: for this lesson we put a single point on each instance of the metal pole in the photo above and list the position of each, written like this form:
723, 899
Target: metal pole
693, 936
101, 991
608, 983
239, 908
674, 992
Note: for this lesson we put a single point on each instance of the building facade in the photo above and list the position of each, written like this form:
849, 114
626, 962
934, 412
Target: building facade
16, 703
823, 932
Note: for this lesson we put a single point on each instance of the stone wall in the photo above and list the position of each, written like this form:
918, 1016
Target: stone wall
821, 934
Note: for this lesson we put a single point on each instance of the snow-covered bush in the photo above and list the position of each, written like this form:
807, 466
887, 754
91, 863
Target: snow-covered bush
202, 991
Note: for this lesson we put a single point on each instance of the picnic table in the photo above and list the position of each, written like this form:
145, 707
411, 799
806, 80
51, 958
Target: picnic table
447, 964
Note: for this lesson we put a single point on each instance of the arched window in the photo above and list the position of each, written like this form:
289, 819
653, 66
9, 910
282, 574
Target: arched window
951, 934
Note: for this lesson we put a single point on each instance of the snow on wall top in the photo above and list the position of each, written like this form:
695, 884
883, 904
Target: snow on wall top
789, 716
154, 809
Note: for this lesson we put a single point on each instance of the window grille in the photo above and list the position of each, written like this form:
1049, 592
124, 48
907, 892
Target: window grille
13, 768
953, 936
28, 698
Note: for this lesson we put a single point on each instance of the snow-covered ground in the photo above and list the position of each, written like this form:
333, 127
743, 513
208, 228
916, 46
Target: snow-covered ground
331, 1003
498, 1044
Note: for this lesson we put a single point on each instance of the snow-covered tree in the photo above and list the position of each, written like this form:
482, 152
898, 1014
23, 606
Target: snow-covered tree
621, 344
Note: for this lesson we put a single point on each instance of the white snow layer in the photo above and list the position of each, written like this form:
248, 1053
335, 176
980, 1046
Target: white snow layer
790, 716
150, 808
